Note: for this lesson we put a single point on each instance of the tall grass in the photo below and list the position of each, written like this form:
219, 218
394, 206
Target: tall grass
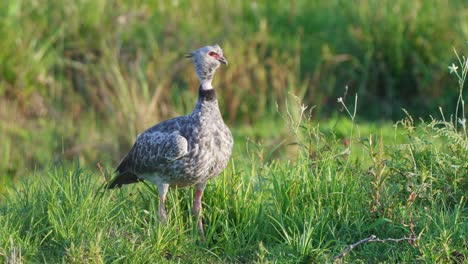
80, 81
305, 211
406, 186
86, 77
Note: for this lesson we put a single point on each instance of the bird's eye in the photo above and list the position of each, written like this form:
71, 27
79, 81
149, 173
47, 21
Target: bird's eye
213, 54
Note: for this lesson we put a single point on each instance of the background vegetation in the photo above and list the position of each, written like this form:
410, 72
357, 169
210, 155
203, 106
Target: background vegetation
79, 81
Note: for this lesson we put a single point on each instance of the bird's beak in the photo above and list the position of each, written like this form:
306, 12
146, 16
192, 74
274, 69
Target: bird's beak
188, 55
223, 60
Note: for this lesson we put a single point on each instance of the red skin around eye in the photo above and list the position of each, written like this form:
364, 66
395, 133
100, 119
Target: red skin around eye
214, 55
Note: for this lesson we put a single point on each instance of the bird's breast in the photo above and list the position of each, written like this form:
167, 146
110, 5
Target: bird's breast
210, 149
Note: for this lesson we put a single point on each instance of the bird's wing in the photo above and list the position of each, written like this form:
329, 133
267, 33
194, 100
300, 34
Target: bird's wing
153, 150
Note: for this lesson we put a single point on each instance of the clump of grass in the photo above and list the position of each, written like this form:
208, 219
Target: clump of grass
305, 210
83, 90
116, 68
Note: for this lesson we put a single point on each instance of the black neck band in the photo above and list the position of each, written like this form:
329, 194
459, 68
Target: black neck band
206, 95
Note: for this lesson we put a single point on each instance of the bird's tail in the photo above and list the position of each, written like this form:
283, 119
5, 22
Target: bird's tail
121, 179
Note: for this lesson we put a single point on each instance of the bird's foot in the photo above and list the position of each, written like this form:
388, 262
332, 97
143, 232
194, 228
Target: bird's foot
200, 229
162, 215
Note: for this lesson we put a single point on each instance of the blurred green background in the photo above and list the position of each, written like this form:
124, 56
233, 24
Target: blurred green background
79, 80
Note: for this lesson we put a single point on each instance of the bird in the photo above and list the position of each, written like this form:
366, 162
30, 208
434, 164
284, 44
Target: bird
186, 150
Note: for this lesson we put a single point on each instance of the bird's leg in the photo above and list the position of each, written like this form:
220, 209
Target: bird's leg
197, 208
162, 188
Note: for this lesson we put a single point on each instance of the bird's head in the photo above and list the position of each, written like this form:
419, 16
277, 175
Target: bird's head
206, 60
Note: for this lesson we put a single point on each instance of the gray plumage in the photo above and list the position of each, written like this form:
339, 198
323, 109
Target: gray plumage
186, 150
181, 151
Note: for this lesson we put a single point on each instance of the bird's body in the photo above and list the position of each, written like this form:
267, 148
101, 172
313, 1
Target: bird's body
186, 150
182, 151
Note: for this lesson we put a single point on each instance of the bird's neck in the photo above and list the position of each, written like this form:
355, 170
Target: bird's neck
206, 95
207, 104
205, 84
206, 91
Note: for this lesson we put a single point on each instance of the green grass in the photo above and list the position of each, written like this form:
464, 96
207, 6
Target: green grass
401, 182
79, 81
300, 199
296, 191
84, 78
